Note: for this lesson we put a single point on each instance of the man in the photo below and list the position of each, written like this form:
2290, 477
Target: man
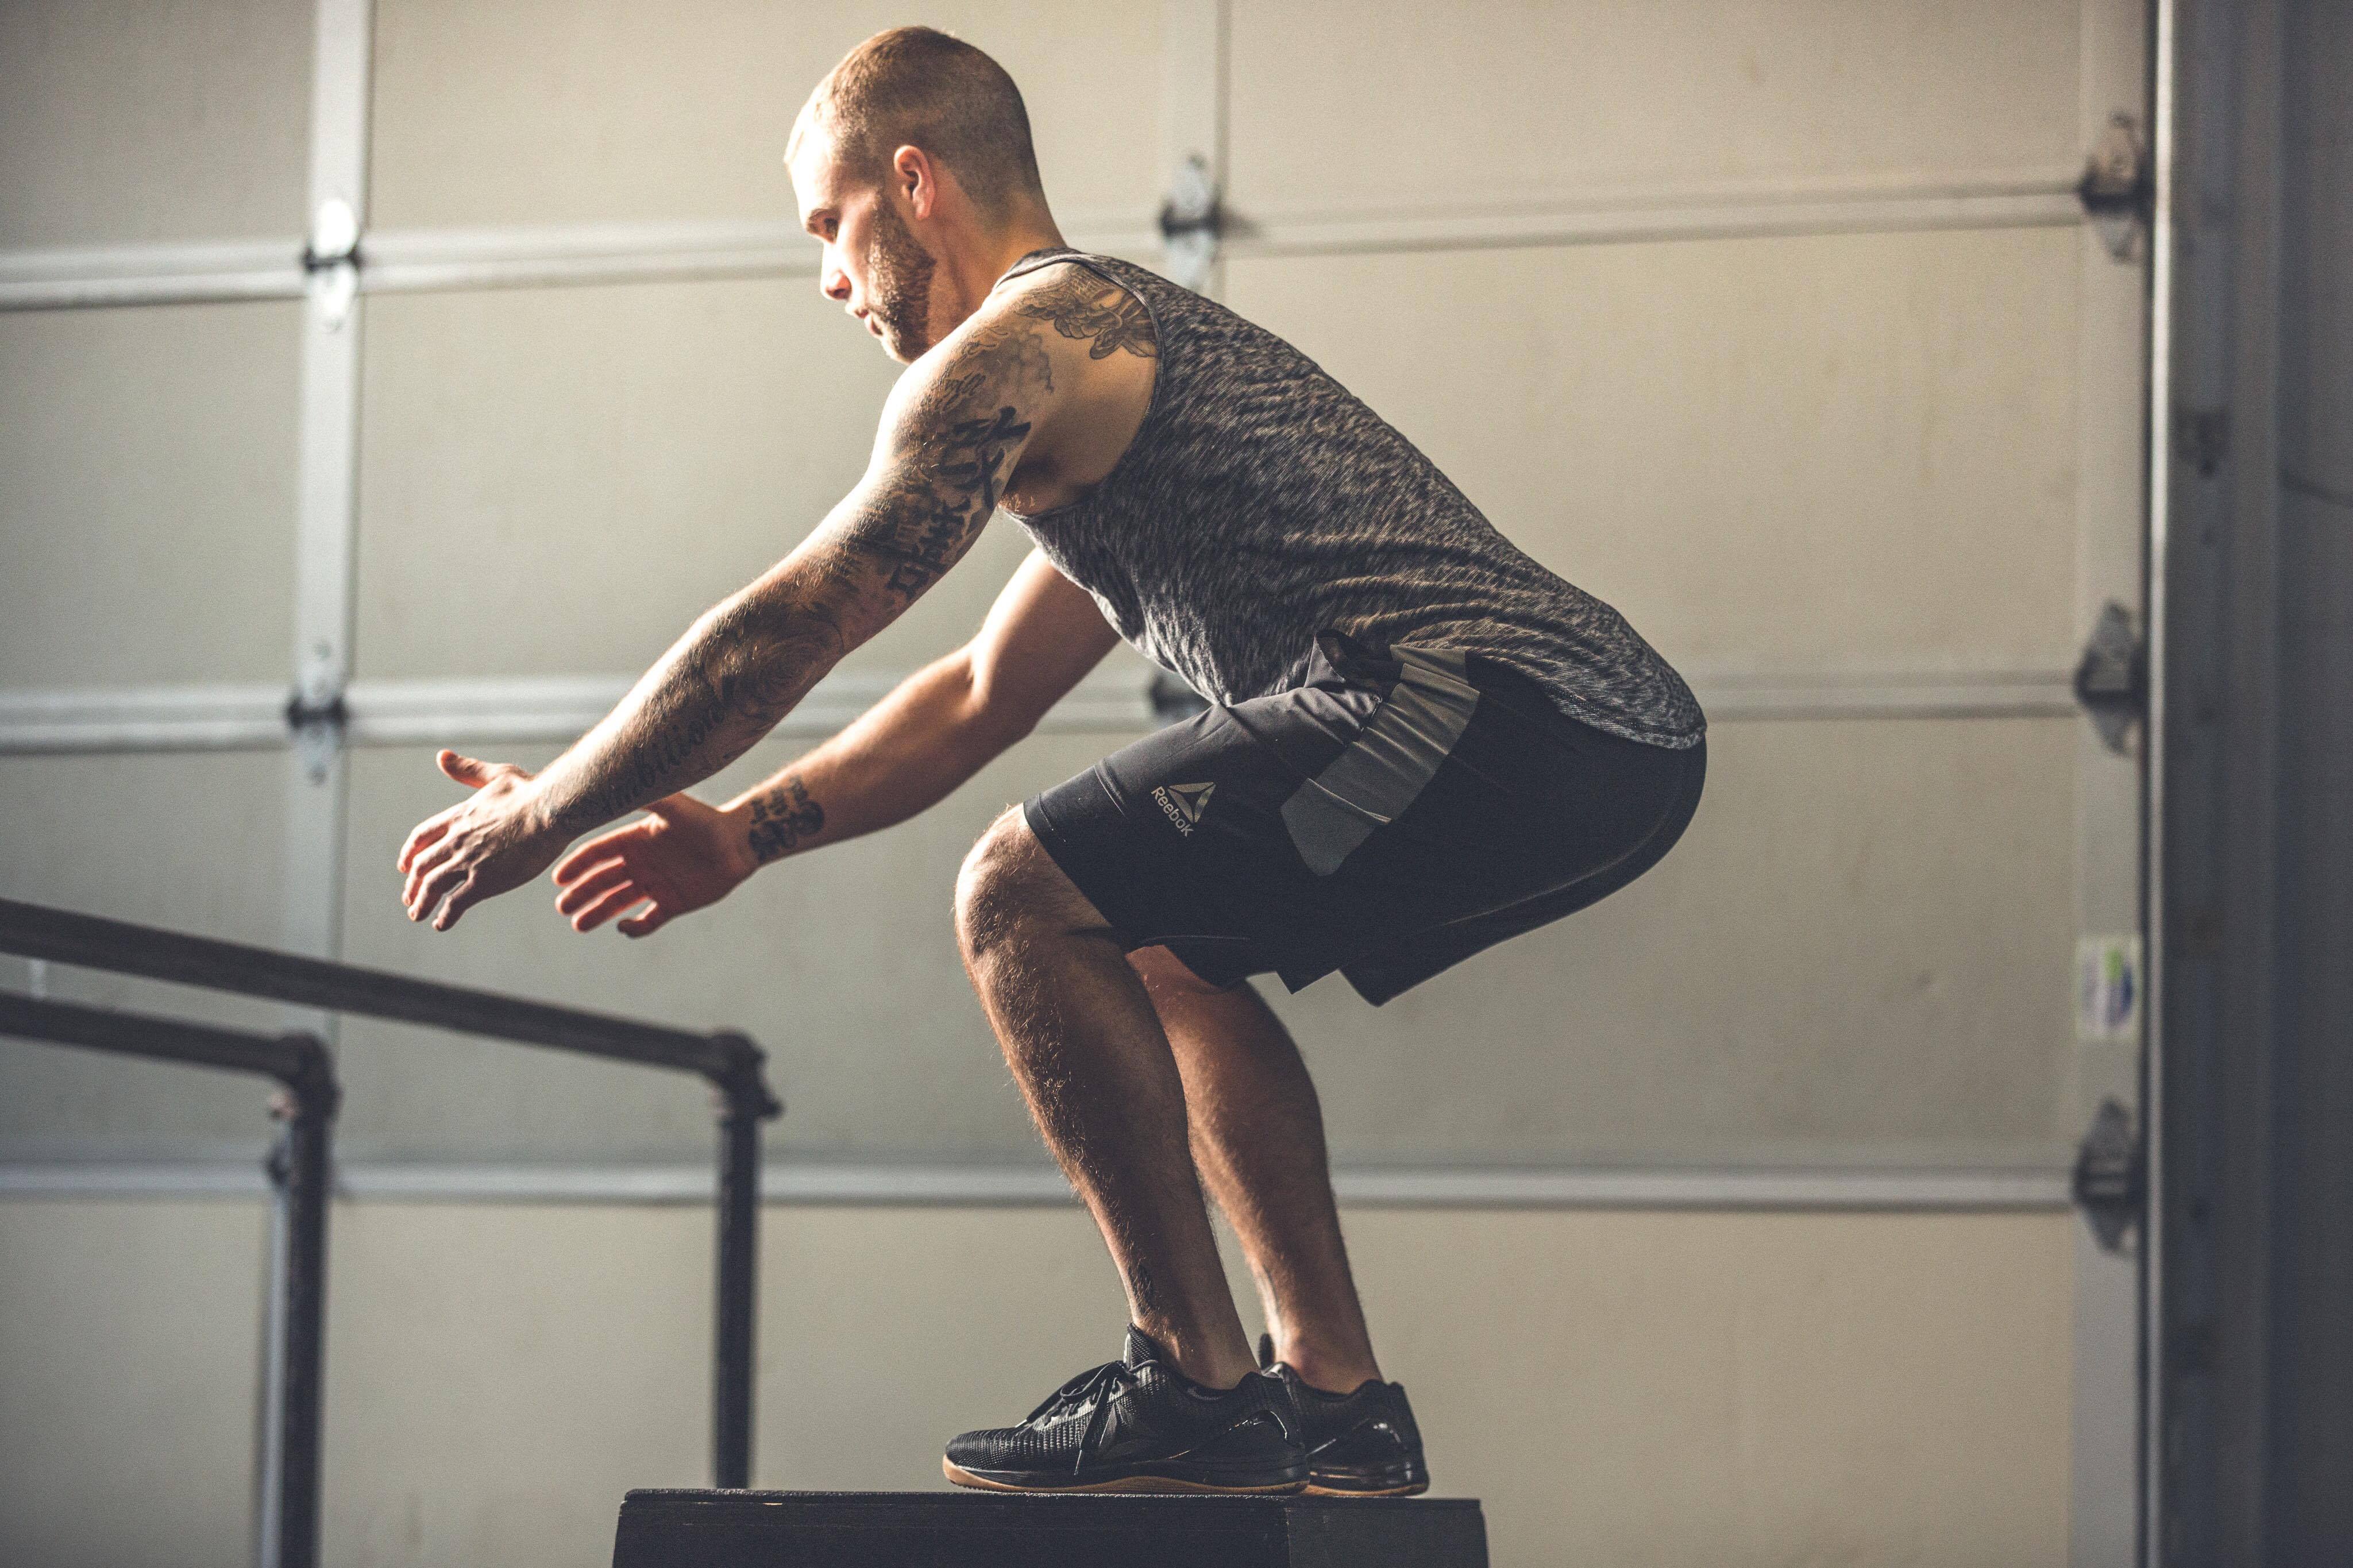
1421, 743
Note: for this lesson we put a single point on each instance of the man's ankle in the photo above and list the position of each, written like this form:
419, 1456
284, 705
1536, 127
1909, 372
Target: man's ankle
1328, 1369
1200, 1359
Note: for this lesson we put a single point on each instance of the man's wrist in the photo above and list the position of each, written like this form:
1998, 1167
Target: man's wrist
543, 812
780, 817
739, 859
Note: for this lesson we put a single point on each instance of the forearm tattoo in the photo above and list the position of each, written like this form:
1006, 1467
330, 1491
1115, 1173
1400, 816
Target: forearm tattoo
783, 817
750, 663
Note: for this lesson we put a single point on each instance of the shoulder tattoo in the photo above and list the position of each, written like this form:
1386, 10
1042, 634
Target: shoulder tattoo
1107, 317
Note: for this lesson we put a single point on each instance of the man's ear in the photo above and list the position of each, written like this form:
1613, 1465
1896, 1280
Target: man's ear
917, 179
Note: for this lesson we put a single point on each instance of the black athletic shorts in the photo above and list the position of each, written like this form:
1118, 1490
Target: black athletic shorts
1403, 809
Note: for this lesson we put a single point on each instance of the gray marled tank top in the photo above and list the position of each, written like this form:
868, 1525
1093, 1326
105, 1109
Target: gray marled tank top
1260, 503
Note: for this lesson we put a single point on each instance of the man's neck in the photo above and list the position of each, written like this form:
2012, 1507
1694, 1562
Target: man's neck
988, 262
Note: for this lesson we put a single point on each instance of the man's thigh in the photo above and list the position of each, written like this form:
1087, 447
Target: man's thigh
1247, 840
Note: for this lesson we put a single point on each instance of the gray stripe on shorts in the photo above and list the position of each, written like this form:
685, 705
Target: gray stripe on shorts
1385, 766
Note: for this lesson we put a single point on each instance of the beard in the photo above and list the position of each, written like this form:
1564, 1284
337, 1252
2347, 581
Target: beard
899, 293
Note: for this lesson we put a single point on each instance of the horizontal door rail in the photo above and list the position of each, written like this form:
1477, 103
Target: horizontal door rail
399, 261
298, 1170
510, 711
64, 936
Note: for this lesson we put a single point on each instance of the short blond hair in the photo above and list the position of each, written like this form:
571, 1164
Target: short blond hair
923, 88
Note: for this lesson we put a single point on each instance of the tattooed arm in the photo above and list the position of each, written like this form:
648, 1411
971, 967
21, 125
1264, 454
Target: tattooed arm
939, 727
943, 724
904, 754
952, 434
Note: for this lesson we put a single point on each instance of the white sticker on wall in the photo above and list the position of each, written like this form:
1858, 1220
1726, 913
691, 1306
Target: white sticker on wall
2108, 988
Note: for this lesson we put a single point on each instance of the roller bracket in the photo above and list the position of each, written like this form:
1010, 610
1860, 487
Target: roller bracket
2118, 189
2111, 1177
2112, 678
1192, 224
331, 260
317, 727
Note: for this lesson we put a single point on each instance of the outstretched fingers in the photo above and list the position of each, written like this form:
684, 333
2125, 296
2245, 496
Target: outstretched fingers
463, 897
579, 894
584, 887
605, 846
612, 901
441, 855
425, 832
646, 924
434, 885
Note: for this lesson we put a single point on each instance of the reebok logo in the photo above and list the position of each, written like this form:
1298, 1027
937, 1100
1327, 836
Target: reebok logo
1183, 804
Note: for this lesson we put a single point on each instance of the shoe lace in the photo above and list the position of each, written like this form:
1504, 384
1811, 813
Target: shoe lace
1088, 1385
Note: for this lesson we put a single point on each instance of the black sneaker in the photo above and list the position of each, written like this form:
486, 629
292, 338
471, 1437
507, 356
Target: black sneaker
1138, 1425
1362, 1443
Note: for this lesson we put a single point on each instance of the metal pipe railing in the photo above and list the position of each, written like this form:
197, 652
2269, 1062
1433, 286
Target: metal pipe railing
36, 931
298, 1167
731, 1062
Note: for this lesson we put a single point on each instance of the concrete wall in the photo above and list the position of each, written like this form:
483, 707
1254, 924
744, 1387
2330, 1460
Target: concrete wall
1621, 1388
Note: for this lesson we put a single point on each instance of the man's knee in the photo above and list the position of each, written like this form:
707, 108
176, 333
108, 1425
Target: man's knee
1009, 885
985, 889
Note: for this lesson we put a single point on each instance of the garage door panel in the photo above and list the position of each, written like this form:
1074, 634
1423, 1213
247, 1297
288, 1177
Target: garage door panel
192, 843
558, 482
1860, 951
146, 494
1851, 450
124, 125
1502, 99
843, 964
135, 1333
544, 112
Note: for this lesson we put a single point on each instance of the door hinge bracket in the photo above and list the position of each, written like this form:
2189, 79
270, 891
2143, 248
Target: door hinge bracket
1192, 224
2112, 678
2118, 189
331, 260
2111, 1178
317, 728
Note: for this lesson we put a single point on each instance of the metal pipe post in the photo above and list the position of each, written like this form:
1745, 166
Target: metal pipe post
744, 1101
302, 1169
298, 1170
734, 1341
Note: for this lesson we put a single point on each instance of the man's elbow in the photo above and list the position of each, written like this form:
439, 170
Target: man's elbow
995, 713
996, 723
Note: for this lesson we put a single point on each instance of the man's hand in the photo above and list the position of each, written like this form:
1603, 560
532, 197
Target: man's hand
681, 857
482, 845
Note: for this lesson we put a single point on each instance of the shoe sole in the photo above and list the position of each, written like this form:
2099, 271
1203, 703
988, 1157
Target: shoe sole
1414, 1489
1136, 1483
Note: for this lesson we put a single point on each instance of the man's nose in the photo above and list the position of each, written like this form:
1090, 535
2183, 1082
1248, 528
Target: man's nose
834, 282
